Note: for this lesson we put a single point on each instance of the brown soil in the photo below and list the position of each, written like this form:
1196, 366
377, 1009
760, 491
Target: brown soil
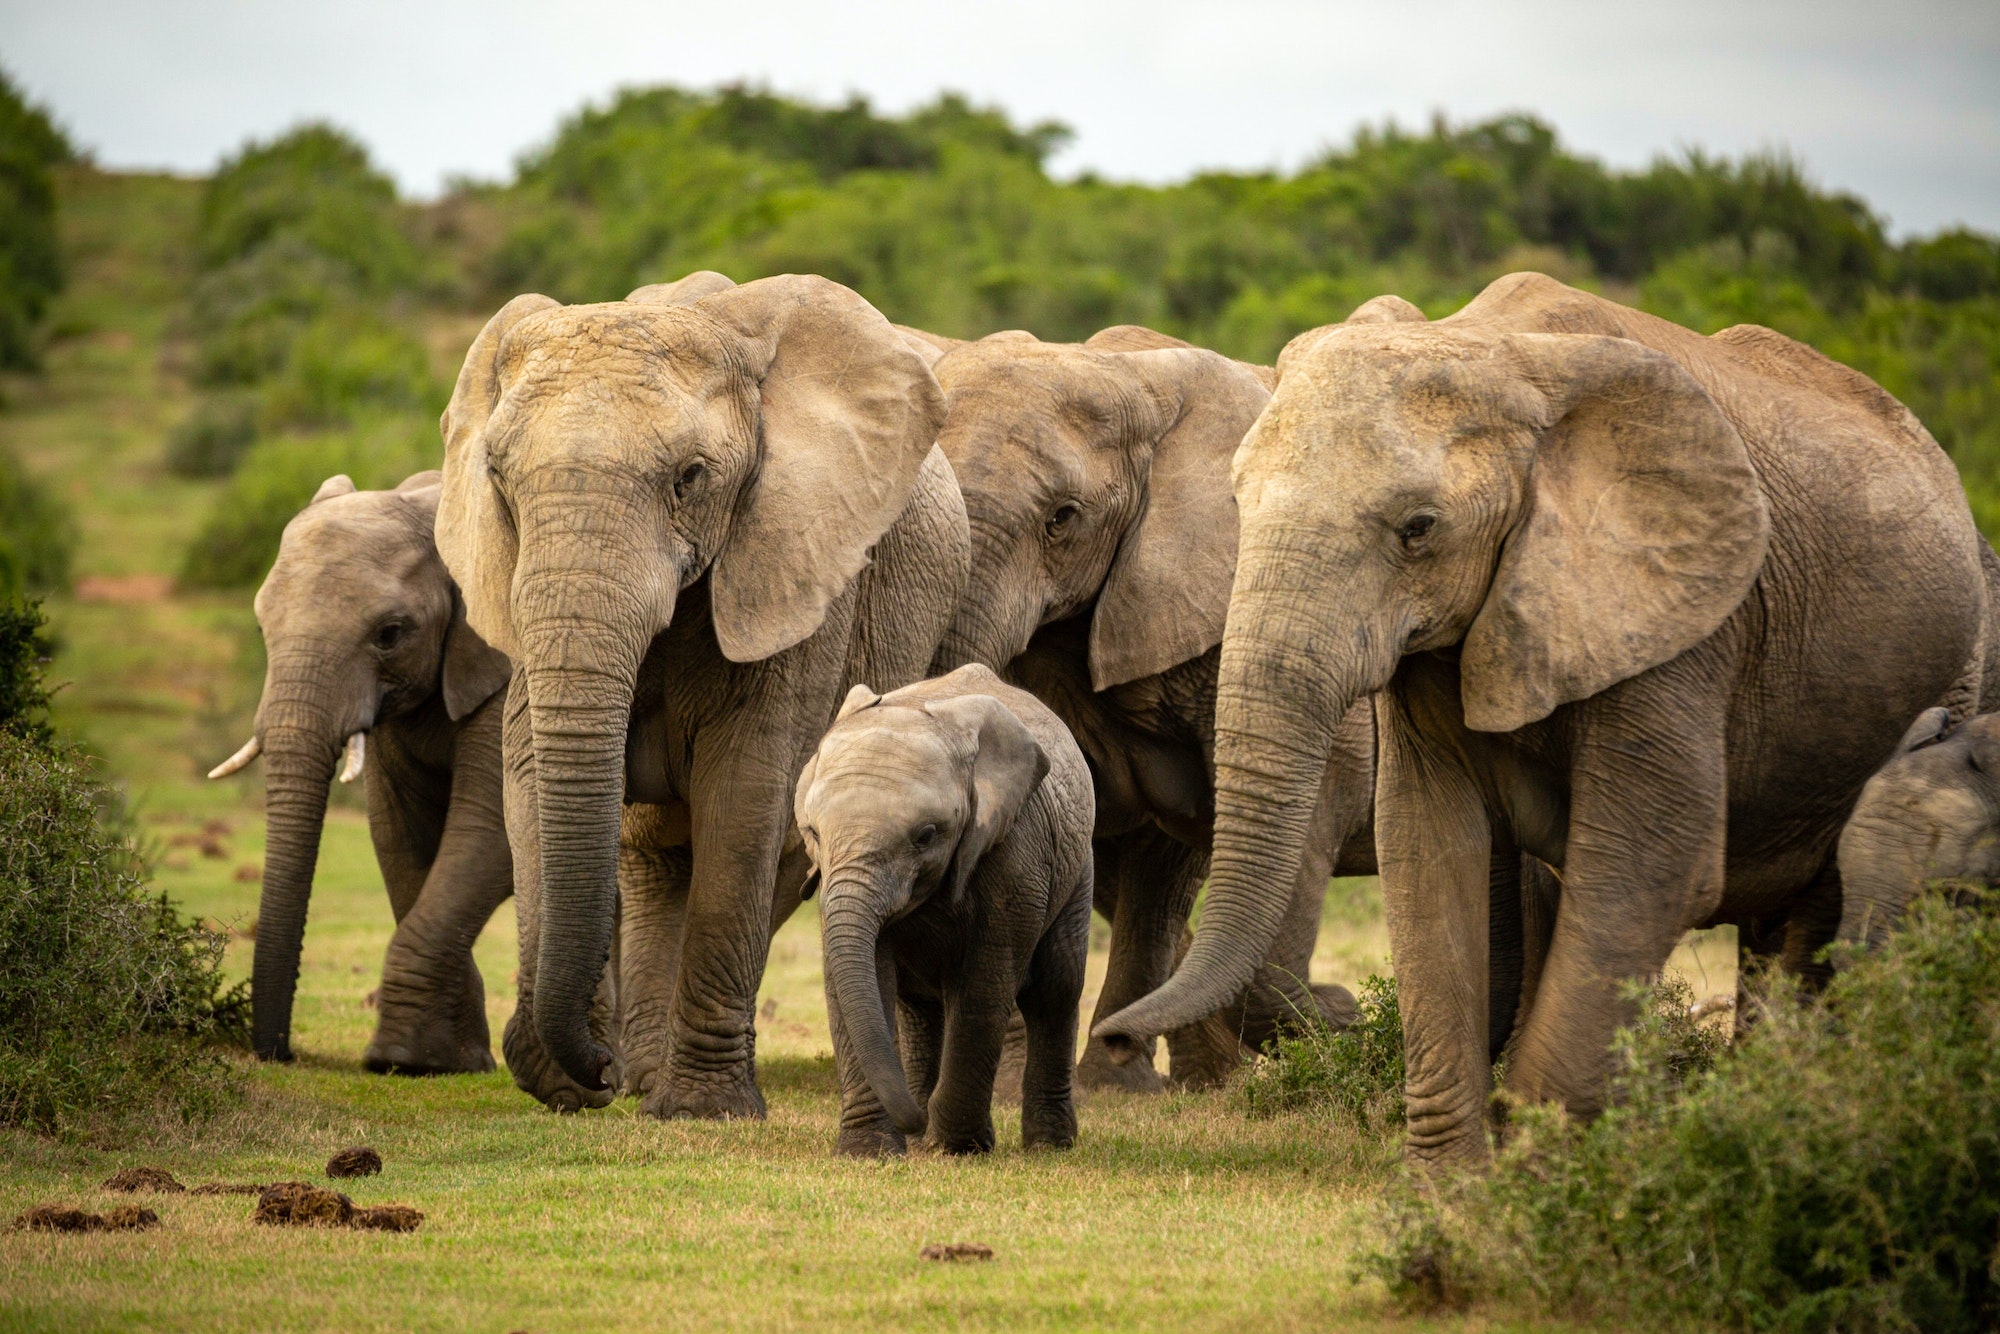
302, 1204
134, 1179
131, 1218
226, 1188
249, 873
387, 1218
124, 587
359, 1161
957, 1250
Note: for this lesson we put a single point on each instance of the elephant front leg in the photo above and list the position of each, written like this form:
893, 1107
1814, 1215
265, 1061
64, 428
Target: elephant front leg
866, 1131
1145, 884
655, 868
975, 1027
739, 813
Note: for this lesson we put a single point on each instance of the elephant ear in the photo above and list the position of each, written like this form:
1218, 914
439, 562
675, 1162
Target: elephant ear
340, 484
1008, 764
1167, 593
849, 413
1644, 529
1131, 338
931, 347
474, 671
1386, 309
474, 534
1932, 726
683, 292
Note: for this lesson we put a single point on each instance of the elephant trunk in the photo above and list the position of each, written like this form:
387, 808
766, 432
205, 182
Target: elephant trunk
1279, 701
853, 932
1883, 863
582, 637
302, 741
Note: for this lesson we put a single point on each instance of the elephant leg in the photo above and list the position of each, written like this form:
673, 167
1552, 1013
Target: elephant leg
975, 1027
1810, 926
1149, 882
865, 1128
1505, 952
533, 1070
738, 815
1048, 1011
1013, 1062
920, 1038
653, 885
432, 1000
1541, 894
1643, 861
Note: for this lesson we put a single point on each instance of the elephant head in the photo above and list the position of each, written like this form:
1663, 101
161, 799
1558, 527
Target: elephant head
361, 623
898, 805
1096, 477
599, 460
1557, 511
1931, 812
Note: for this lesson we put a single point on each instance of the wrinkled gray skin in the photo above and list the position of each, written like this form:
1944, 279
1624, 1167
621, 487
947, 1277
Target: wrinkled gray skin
1096, 480
949, 827
1932, 813
364, 633
693, 518
1648, 606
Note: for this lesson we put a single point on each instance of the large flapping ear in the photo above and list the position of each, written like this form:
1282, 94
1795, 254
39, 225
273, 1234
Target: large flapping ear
474, 535
474, 671
1644, 529
684, 291
1008, 764
849, 412
1167, 593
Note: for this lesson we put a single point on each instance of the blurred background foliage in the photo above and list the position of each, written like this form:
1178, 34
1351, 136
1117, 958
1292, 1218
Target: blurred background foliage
323, 316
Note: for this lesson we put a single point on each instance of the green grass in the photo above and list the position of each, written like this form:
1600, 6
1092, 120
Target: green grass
1172, 1213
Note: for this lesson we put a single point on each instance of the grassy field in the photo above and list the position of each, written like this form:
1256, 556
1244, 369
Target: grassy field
1172, 1213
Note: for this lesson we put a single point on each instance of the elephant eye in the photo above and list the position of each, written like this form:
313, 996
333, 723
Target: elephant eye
390, 635
689, 476
1061, 518
1415, 529
924, 837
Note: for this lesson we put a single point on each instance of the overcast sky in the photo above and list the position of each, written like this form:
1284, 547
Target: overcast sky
1898, 100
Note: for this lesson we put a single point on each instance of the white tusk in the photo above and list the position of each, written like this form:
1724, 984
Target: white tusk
250, 750
357, 751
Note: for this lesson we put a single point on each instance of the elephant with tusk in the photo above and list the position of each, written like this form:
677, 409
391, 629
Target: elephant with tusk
366, 636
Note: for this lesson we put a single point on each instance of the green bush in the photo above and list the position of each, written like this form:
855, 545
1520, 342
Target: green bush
31, 270
341, 367
1840, 1170
1357, 1073
25, 651
239, 540
37, 534
210, 440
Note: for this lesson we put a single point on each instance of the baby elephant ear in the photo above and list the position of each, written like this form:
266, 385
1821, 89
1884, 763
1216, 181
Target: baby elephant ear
1931, 727
340, 484
1644, 529
684, 291
474, 671
1008, 764
860, 697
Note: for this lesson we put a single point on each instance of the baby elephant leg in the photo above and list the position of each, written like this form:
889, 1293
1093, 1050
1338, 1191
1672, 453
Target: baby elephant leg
961, 1111
865, 1128
1049, 1005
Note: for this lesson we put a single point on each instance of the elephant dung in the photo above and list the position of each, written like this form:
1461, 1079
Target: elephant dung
954, 1251
62, 1218
387, 1218
358, 1161
135, 1179
227, 1188
302, 1204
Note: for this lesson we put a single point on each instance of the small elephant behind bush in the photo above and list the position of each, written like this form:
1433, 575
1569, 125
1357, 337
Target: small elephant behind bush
949, 827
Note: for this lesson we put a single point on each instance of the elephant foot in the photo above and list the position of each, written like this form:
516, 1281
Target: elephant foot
538, 1076
871, 1141
1098, 1073
427, 1050
1337, 1007
1048, 1127
673, 1099
1205, 1054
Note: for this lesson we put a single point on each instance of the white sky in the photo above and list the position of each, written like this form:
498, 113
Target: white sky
1898, 100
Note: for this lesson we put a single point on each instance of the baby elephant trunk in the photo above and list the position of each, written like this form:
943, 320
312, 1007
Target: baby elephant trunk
853, 934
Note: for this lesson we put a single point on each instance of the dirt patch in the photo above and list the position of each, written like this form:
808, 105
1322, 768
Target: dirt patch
302, 1204
359, 1161
226, 1188
250, 873
63, 1218
387, 1218
135, 1179
124, 588
955, 1251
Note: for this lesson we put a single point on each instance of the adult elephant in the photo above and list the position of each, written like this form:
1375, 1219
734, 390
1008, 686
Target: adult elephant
693, 518
365, 636
1647, 605
1096, 480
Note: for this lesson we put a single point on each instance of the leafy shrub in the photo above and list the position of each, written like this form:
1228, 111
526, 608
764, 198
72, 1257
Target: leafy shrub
210, 440
24, 655
31, 270
341, 367
1840, 1170
37, 534
239, 540
1356, 1073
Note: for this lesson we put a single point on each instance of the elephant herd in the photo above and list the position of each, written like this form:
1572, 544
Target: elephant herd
1584, 629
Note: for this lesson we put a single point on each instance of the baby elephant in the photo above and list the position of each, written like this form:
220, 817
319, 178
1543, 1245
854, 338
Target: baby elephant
949, 826
1932, 812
